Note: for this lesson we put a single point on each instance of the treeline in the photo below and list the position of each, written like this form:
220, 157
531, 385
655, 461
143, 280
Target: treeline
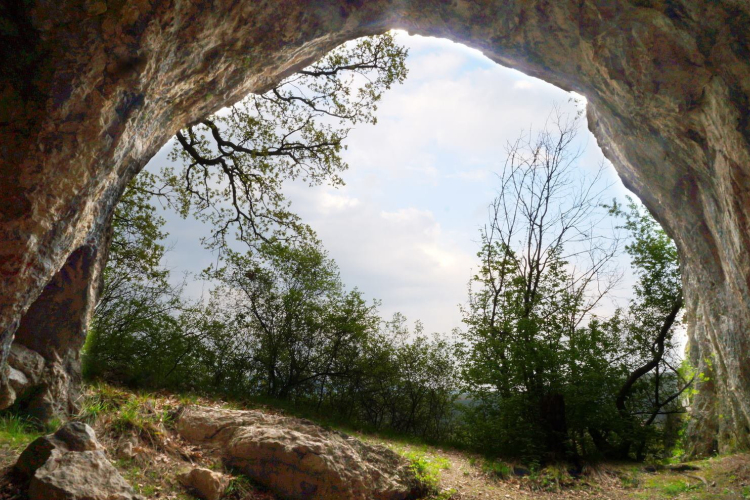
279, 326
534, 373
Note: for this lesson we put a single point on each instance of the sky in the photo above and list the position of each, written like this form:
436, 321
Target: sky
405, 227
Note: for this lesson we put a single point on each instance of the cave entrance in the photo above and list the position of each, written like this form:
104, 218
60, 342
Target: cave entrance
667, 83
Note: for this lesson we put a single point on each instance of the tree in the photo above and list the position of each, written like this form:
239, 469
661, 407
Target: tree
280, 324
301, 328
543, 270
655, 381
234, 165
235, 162
138, 309
298, 336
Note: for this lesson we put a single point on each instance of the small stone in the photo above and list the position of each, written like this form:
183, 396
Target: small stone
78, 436
125, 451
208, 484
17, 380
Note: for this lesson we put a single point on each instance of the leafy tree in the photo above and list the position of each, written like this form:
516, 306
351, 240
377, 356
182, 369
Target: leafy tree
545, 377
407, 381
233, 167
300, 327
655, 382
138, 310
234, 163
543, 270
297, 335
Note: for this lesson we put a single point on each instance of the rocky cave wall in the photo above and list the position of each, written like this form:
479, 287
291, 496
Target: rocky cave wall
91, 89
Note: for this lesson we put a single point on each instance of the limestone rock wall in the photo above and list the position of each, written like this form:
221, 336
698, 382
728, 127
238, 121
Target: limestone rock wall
91, 89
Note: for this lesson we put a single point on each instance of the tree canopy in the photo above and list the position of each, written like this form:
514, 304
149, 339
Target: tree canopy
234, 163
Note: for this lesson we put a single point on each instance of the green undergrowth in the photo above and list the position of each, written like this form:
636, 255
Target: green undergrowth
17, 432
119, 414
496, 468
427, 467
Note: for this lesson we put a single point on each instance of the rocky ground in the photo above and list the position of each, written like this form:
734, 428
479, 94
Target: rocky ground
140, 433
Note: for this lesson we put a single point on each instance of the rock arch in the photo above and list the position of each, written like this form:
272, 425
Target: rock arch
91, 89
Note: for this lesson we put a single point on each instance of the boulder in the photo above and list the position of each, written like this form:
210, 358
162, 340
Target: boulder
24, 370
86, 475
71, 465
26, 361
208, 484
297, 459
17, 380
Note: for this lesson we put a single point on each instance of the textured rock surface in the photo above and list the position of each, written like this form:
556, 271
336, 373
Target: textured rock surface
297, 459
24, 373
91, 90
208, 484
71, 465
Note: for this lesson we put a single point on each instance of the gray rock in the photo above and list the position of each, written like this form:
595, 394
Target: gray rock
297, 459
208, 484
28, 362
126, 451
78, 436
85, 475
24, 370
17, 380
71, 465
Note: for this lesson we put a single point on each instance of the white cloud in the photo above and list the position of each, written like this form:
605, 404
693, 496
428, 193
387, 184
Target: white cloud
329, 203
403, 256
523, 84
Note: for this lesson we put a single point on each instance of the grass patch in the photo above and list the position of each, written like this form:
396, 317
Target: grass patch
427, 467
240, 486
125, 413
17, 431
148, 481
497, 469
670, 486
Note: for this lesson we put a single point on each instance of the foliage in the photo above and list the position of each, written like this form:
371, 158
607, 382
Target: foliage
427, 467
138, 306
497, 468
299, 336
546, 378
234, 163
528, 351
281, 326
657, 378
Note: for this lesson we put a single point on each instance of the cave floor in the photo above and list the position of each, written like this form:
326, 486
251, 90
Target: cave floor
156, 454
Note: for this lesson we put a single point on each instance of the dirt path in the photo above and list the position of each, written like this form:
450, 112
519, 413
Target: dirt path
463, 477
